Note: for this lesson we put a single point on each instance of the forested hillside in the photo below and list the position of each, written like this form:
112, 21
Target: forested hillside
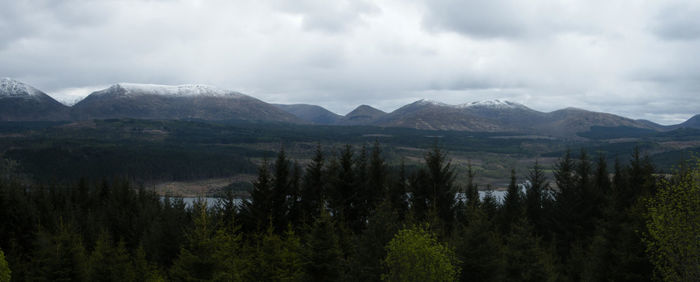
349, 216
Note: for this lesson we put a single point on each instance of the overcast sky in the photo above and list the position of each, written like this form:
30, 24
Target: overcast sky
639, 59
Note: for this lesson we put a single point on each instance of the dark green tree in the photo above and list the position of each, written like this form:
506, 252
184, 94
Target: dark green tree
525, 257
396, 194
60, 256
479, 249
281, 186
471, 191
258, 211
196, 261
513, 206
324, 254
312, 189
109, 262
438, 187
536, 197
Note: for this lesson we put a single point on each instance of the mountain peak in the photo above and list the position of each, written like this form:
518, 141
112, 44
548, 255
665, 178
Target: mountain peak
169, 90
365, 110
493, 104
13, 88
428, 102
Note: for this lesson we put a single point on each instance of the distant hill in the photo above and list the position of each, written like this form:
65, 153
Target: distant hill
147, 101
693, 122
500, 116
425, 114
21, 102
362, 115
311, 113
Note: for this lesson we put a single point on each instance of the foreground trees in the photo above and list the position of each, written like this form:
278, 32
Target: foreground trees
348, 215
415, 254
673, 221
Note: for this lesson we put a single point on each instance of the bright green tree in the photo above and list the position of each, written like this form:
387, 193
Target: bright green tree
4, 268
673, 222
415, 254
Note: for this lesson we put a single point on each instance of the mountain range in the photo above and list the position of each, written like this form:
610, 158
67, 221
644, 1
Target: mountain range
21, 102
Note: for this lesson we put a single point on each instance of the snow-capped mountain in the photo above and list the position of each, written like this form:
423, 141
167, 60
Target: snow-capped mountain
500, 115
136, 89
149, 101
21, 102
492, 104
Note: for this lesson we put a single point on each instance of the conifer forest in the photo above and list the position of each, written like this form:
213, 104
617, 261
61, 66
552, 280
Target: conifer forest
349, 216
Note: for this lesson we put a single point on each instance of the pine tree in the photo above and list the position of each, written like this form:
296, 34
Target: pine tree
61, 256
312, 190
196, 260
368, 252
489, 205
229, 252
277, 258
281, 191
258, 210
441, 188
479, 249
472, 191
109, 262
537, 193
526, 259
377, 178
513, 208
397, 193
325, 256
344, 189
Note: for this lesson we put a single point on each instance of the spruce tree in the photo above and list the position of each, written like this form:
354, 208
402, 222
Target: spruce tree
325, 257
525, 257
377, 178
479, 249
537, 193
258, 211
512, 208
312, 189
109, 262
441, 186
281, 191
397, 193
61, 256
196, 260
472, 191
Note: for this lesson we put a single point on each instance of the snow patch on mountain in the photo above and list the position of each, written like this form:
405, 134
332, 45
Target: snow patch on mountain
186, 90
428, 102
13, 88
492, 104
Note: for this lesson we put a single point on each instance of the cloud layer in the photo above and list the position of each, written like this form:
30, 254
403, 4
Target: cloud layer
637, 59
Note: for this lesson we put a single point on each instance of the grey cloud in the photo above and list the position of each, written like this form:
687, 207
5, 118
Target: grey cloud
678, 22
386, 53
485, 19
329, 16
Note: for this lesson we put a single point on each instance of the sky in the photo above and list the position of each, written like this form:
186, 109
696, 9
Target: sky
639, 59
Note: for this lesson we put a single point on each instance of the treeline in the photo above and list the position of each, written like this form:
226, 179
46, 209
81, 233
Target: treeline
349, 217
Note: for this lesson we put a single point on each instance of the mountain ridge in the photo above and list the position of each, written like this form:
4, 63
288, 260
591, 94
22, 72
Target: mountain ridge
198, 101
